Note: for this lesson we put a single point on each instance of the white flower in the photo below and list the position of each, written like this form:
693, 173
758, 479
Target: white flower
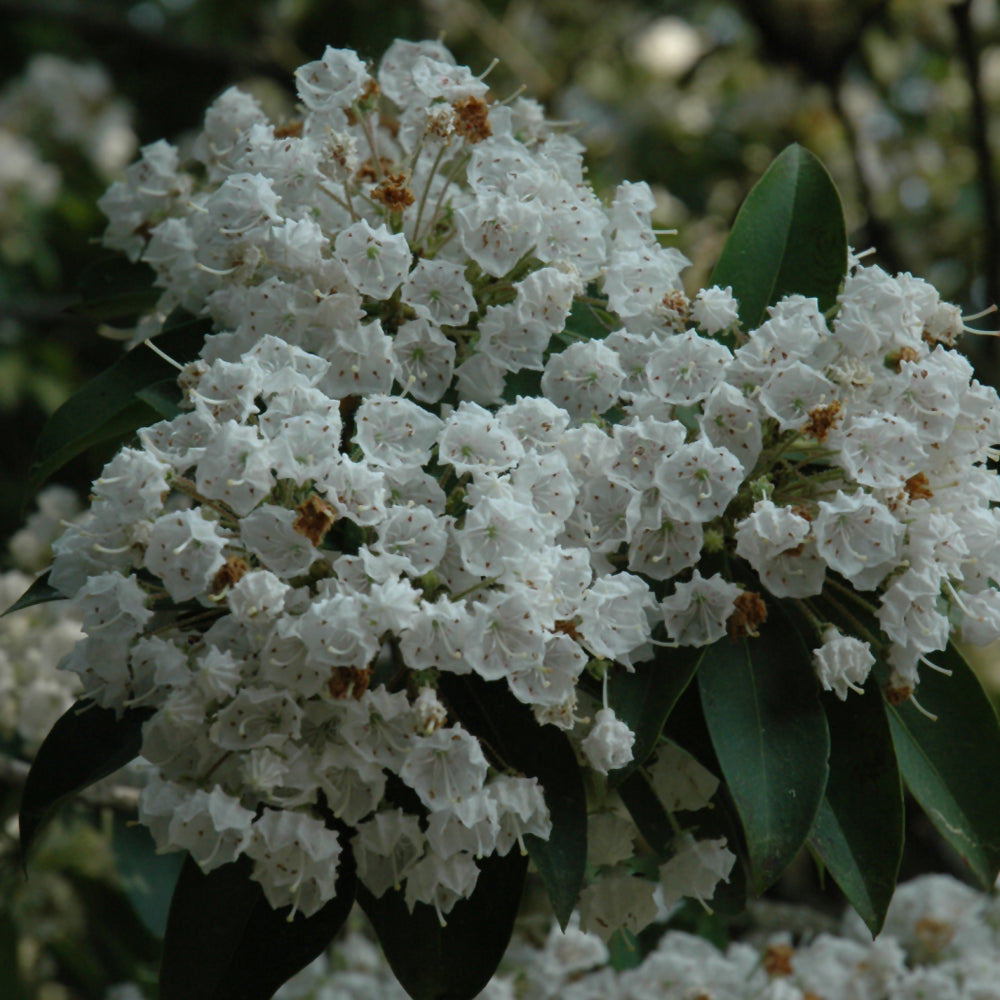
584, 379
185, 552
881, 450
424, 360
698, 480
437, 291
696, 613
474, 440
614, 615
686, 368
695, 870
842, 663
386, 847
617, 901
296, 859
376, 261
394, 432
332, 83
211, 826
609, 743
857, 537
715, 309
447, 770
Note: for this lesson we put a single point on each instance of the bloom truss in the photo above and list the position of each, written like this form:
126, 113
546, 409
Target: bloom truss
356, 500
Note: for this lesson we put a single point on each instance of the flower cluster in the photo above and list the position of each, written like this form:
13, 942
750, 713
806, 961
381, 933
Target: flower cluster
942, 940
458, 416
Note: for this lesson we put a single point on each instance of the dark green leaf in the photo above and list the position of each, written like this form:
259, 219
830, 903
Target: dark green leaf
950, 765
509, 729
86, 744
146, 878
644, 699
107, 407
646, 810
163, 397
456, 961
654, 825
40, 592
858, 832
789, 237
761, 705
116, 290
224, 941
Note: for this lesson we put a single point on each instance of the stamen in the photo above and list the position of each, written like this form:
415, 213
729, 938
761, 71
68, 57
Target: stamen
923, 711
166, 357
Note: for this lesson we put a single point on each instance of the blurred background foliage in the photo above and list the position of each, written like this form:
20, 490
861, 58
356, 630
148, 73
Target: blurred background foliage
694, 96
898, 97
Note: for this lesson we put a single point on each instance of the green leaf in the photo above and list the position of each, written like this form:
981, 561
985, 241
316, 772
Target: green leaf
646, 810
950, 765
86, 744
163, 397
789, 237
653, 823
116, 290
508, 727
107, 407
456, 961
644, 699
147, 878
40, 592
224, 941
761, 706
859, 829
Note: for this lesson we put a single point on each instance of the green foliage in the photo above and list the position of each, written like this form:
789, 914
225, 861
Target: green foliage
761, 704
949, 762
146, 878
112, 405
644, 698
858, 832
115, 290
86, 744
224, 941
647, 812
798, 768
40, 592
452, 960
789, 238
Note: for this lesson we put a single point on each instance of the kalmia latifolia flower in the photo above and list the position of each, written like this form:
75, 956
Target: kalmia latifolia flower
362, 496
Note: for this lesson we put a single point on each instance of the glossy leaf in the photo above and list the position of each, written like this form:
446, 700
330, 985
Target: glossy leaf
761, 704
950, 764
859, 829
116, 290
647, 812
454, 961
86, 744
146, 877
40, 592
107, 407
645, 698
789, 238
509, 729
224, 941
163, 397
